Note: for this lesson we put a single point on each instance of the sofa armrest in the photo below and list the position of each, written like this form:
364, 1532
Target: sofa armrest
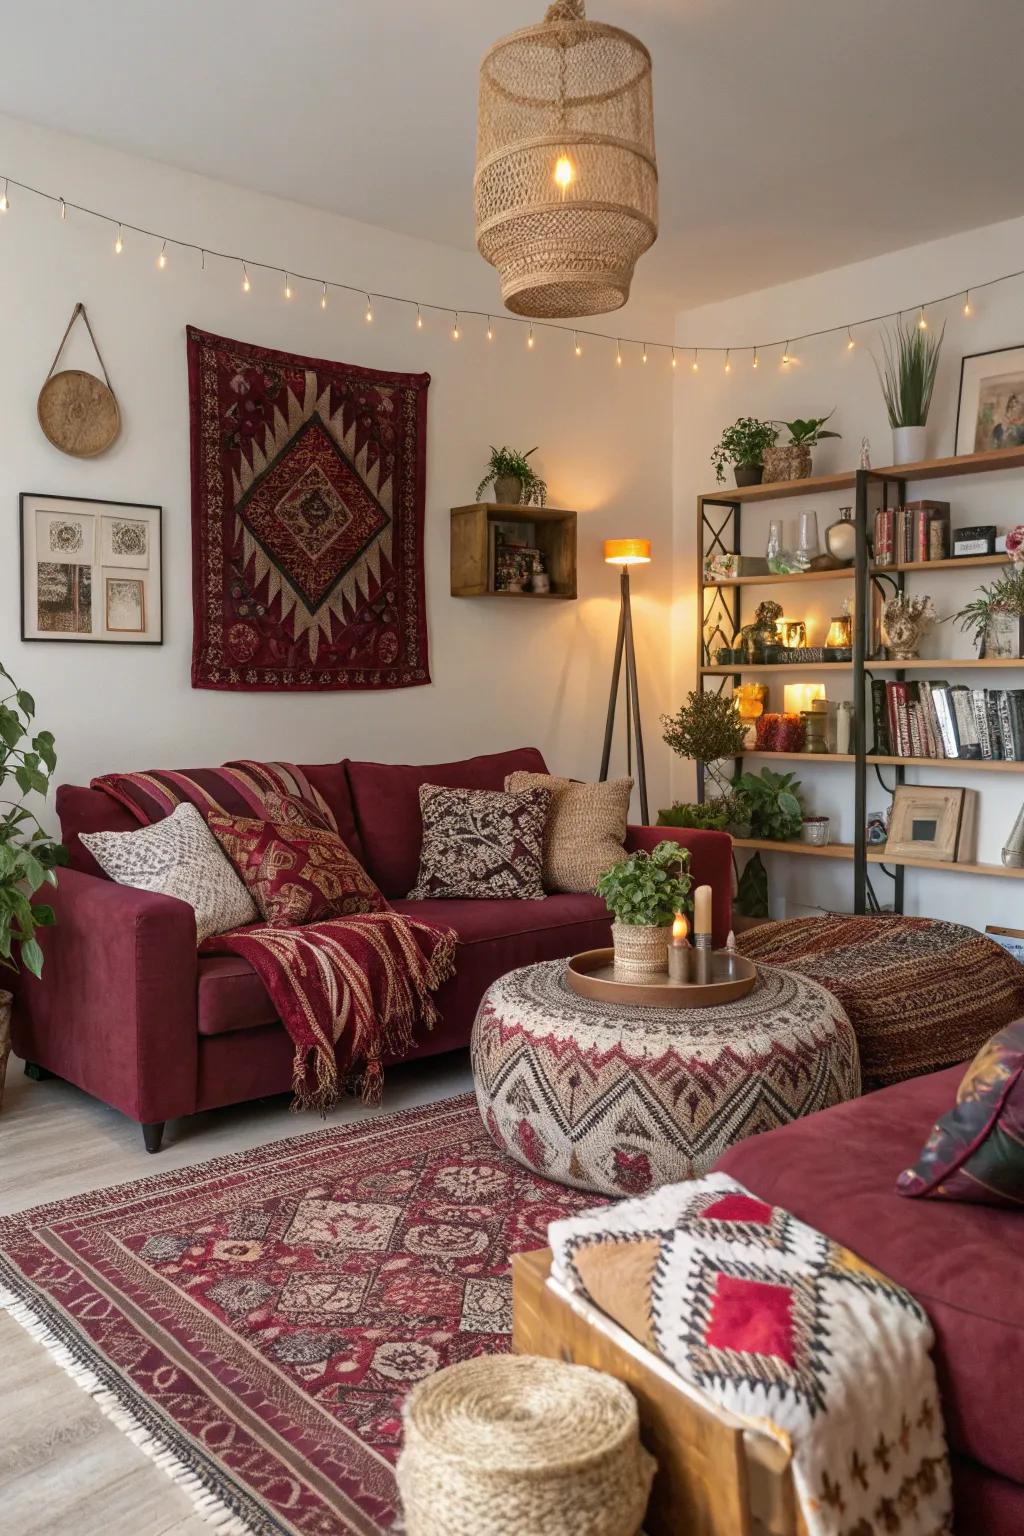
710, 864
115, 1009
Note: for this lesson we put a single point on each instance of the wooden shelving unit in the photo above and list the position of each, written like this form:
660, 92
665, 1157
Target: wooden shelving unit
721, 531
554, 533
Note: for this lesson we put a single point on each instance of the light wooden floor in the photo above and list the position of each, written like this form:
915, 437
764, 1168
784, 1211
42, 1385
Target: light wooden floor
63, 1466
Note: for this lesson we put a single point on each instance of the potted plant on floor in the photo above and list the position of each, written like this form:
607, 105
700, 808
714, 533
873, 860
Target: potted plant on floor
744, 445
907, 378
792, 460
28, 855
644, 892
513, 480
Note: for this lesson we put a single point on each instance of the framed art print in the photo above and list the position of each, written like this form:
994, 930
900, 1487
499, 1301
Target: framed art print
990, 410
90, 570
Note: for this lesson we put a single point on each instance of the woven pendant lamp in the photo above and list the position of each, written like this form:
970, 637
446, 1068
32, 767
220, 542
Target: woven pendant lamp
566, 178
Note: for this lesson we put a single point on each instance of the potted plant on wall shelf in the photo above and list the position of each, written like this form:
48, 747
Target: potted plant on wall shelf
792, 460
644, 892
768, 807
995, 618
513, 480
744, 445
908, 380
28, 855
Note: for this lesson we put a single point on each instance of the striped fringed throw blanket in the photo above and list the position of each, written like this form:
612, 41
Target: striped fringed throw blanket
785, 1329
349, 990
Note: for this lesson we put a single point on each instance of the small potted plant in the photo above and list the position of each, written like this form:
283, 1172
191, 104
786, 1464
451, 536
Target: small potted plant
995, 618
513, 480
907, 377
792, 460
28, 854
767, 805
705, 729
644, 892
744, 445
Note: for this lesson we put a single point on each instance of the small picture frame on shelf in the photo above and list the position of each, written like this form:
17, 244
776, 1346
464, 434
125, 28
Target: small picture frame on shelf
90, 570
925, 823
990, 408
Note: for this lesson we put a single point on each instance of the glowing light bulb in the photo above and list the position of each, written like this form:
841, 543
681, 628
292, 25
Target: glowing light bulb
490, 329
369, 310
246, 285
287, 286
119, 242
922, 323
161, 260
529, 339
643, 355
419, 319
63, 208
850, 343
455, 327
674, 358
323, 297
967, 310
785, 356
576, 345
618, 354
728, 362
754, 364
5, 201
564, 172
695, 365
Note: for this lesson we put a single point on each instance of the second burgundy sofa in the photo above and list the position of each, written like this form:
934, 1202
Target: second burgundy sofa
128, 1011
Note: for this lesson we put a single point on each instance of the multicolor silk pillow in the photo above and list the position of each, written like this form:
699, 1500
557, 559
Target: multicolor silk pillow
585, 830
482, 844
295, 872
976, 1151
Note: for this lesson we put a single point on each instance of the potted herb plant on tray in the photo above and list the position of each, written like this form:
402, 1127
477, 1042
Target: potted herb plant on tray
744, 445
644, 892
792, 460
907, 377
513, 479
28, 854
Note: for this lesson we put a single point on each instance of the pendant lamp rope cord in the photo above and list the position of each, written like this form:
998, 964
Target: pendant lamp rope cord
565, 10
79, 309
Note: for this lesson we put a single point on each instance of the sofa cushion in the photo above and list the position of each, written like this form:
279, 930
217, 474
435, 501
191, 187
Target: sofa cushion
836, 1170
485, 844
585, 831
386, 799
295, 871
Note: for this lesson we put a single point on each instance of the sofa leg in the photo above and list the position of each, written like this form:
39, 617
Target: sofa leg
37, 1073
153, 1135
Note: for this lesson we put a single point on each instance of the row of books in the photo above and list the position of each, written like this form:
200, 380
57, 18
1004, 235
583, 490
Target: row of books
937, 719
918, 531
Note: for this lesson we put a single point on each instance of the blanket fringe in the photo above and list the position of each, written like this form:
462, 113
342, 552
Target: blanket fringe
207, 1503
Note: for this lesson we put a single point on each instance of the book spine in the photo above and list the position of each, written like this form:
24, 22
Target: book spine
922, 550
994, 727
915, 725
884, 536
938, 750
1010, 754
1015, 711
960, 699
981, 722
902, 719
880, 718
947, 723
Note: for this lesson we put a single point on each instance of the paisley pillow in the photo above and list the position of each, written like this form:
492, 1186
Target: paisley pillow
483, 844
296, 872
976, 1151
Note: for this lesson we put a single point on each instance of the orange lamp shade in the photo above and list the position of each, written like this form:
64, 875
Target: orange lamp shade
627, 551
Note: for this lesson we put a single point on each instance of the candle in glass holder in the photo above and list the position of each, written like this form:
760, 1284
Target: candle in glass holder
679, 951
702, 934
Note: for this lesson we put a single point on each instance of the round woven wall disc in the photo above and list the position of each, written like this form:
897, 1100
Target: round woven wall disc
78, 413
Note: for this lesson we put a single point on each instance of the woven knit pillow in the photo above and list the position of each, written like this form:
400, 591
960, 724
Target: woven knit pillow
585, 829
177, 857
484, 844
296, 872
975, 1152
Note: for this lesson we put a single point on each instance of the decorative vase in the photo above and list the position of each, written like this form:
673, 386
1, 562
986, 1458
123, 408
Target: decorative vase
1013, 853
1004, 636
777, 464
808, 547
904, 622
6, 1000
908, 444
641, 949
799, 461
508, 490
841, 537
748, 474
815, 830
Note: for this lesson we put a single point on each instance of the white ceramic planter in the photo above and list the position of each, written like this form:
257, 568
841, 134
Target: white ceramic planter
908, 444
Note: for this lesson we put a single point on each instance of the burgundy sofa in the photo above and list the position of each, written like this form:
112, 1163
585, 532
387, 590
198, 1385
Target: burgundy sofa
128, 1012
837, 1171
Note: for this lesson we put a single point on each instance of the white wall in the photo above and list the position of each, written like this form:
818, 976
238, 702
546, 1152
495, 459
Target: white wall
503, 673
827, 374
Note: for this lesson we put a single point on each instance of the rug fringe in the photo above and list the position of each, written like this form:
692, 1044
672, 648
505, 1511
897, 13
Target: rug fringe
207, 1504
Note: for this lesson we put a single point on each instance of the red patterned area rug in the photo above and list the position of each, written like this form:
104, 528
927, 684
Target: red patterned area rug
255, 1322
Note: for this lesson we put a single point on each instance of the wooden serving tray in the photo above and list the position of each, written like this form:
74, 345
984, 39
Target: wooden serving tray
592, 974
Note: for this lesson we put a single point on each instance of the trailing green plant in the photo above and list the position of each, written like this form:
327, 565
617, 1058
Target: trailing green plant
648, 888
908, 374
713, 816
1006, 595
769, 804
28, 854
806, 432
752, 889
507, 461
706, 728
743, 443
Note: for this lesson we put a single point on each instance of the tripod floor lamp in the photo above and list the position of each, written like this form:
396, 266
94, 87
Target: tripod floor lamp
624, 553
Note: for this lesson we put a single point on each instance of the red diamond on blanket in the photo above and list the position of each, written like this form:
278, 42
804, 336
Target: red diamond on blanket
752, 1317
739, 1208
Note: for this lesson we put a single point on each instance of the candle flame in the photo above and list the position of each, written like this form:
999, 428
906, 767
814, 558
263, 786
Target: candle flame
680, 927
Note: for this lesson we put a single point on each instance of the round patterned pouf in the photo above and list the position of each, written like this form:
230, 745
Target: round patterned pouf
623, 1099
505, 1445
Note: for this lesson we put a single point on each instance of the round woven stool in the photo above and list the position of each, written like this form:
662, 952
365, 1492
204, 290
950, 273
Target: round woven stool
515, 1445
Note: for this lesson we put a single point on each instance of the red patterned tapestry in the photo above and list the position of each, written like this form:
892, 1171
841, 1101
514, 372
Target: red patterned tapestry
256, 1322
308, 482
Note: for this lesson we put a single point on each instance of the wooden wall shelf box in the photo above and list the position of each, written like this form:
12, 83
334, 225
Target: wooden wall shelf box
554, 533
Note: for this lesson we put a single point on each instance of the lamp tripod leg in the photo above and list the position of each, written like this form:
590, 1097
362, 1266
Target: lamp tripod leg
613, 695
634, 695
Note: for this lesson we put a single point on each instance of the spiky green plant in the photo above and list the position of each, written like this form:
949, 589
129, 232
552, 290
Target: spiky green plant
908, 375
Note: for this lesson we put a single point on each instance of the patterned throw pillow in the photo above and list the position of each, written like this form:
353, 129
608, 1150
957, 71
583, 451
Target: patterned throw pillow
177, 857
484, 844
296, 872
585, 830
976, 1151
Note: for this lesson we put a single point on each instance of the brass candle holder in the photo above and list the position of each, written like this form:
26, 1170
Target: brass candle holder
679, 952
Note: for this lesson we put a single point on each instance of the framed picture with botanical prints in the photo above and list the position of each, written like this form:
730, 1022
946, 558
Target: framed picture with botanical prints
90, 570
990, 410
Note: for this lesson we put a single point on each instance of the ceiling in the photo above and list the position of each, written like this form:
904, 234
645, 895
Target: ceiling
793, 135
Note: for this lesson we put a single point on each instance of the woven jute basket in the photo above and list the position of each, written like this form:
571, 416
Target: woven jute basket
640, 950
77, 411
574, 92
514, 1445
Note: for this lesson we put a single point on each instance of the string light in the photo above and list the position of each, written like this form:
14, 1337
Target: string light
754, 363
5, 201
202, 261
119, 242
529, 339
490, 329
63, 209
323, 297
455, 327
850, 343
618, 354
643, 355
728, 361
287, 285
695, 365
246, 285
786, 359
369, 310
967, 310
576, 344
419, 319
922, 323
674, 358
161, 260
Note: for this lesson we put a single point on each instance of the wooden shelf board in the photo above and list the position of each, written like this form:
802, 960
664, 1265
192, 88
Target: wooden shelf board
795, 668
775, 491
771, 580
803, 757
922, 469
875, 856
920, 664
939, 565
967, 764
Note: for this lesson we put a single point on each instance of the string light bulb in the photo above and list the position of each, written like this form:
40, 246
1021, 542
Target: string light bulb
576, 344
922, 323
63, 208
967, 310
850, 343
369, 310
455, 327
490, 329
246, 285
785, 356
675, 360
529, 339
118, 243
754, 363
323, 297
419, 318
728, 361
618, 354
287, 285
202, 261
5, 201
695, 365
161, 260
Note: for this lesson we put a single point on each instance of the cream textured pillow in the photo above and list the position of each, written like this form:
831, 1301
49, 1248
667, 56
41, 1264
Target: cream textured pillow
178, 856
585, 829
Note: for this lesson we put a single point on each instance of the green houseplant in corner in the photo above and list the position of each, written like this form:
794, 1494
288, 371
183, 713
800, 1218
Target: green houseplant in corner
513, 480
744, 445
643, 893
28, 855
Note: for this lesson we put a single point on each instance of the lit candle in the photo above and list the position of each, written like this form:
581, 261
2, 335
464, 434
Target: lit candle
679, 952
702, 934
